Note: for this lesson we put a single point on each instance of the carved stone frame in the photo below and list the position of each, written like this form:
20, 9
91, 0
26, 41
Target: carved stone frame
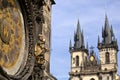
30, 36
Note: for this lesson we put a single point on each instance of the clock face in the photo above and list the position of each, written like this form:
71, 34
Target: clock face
92, 58
12, 36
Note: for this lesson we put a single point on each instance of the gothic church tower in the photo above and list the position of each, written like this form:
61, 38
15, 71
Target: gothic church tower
108, 50
78, 52
85, 64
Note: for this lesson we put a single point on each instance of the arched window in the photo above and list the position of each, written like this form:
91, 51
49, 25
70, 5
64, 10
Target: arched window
92, 79
107, 56
77, 60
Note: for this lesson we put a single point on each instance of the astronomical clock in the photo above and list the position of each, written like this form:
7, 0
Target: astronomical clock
18, 19
14, 41
12, 37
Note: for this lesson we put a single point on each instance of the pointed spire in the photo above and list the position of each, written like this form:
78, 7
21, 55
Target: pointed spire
108, 37
78, 28
106, 32
78, 31
82, 36
102, 32
74, 36
112, 33
87, 46
70, 45
78, 37
98, 39
106, 23
78, 25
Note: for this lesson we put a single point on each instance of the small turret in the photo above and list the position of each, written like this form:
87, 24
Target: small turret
87, 46
102, 32
112, 33
106, 23
98, 39
70, 45
82, 36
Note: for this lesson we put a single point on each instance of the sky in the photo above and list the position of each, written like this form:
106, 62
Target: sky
91, 14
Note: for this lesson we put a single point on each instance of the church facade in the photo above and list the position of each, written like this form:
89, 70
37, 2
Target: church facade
85, 65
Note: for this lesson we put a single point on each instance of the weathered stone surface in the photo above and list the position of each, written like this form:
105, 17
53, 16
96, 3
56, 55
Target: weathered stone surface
31, 17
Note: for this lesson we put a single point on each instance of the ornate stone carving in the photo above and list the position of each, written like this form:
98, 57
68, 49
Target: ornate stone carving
33, 18
40, 49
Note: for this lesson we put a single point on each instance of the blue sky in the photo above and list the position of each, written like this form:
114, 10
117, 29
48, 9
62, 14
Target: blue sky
91, 14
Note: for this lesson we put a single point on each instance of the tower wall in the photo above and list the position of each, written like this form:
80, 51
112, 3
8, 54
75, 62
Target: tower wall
112, 58
107, 77
82, 56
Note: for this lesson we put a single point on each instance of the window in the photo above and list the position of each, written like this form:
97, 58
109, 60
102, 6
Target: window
100, 77
107, 56
77, 60
107, 77
92, 79
86, 58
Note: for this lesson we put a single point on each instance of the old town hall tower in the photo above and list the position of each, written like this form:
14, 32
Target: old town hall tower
85, 65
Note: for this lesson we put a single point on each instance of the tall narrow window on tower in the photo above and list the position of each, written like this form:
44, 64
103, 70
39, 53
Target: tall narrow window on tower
107, 58
107, 77
77, 60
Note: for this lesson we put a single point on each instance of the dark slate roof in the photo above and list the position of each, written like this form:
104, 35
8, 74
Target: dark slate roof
109, 40
78, 37
107, 35
78, 41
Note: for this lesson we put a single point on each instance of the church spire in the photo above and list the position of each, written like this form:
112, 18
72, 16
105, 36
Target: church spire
106, 23
78, 31
112, 33
74, 35
78, 26
78, 37
87, 46
98, 39
78, 40
106, 32
70, 45
108, 36
102, 32
82, 36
